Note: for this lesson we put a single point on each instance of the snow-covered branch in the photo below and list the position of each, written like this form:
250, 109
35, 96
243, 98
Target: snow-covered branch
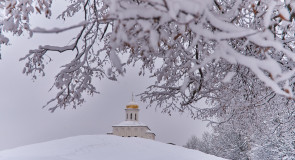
196, 44
58, 30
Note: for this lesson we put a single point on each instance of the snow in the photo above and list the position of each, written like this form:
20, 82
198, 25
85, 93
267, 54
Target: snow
130, 123
190, 6
292, 5
285, 13
104, 147
154, 39
267, 17
58, 30
228, 77
115, 60
149, 131
132, 103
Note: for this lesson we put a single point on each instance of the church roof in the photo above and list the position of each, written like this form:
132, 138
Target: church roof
130, 124
149, 131
132, 105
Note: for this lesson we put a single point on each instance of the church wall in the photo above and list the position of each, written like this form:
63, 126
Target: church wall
150, 136
133, 131
134, 113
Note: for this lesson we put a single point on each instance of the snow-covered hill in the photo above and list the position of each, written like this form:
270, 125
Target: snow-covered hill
103, 147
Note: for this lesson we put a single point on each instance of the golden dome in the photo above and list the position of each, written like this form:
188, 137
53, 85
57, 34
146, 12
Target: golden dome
132, 105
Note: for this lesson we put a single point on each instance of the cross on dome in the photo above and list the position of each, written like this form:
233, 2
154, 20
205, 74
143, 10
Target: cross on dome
132, 104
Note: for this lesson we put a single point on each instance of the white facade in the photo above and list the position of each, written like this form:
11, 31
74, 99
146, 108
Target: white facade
131, 114
131, 127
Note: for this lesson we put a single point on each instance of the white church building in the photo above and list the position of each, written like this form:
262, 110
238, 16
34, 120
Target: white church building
132, 127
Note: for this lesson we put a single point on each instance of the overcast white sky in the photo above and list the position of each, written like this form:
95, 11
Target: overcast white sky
23, 121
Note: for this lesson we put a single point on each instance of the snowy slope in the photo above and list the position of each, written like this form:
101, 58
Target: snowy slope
103, 147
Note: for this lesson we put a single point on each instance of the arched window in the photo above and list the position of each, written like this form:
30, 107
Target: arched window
126, 116
131, 116
135, 116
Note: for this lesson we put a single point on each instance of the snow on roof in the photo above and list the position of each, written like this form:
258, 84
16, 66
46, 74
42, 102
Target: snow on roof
150, 132
132, 103
130, 124
103, 147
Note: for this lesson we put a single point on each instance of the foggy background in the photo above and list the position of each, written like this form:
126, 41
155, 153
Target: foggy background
24, 121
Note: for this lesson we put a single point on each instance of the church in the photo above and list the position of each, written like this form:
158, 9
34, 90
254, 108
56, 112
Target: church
132, 127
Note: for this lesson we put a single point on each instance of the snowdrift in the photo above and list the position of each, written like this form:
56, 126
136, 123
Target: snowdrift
103, 147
